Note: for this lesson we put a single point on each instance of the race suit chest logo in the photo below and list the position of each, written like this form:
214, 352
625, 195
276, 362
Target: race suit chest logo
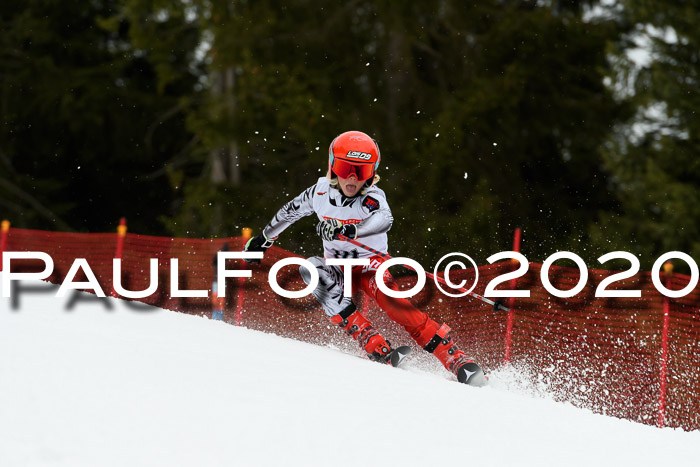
359, 155
345, 221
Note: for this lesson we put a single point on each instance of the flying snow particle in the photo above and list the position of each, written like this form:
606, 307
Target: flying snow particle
437, 134
317, 148
465, 175
495, 144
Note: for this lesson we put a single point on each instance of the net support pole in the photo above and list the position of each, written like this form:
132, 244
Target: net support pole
4, 232
121, 234
240, 293
217, 303
511, 301
663, 366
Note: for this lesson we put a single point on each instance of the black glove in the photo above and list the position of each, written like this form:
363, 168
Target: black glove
259, 243
329, 229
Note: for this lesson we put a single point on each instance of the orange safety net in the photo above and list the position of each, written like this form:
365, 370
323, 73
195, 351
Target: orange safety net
604, 354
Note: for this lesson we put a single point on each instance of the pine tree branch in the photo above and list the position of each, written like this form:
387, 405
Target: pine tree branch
39, 208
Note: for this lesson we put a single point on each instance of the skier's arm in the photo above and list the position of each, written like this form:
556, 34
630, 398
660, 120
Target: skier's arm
379, 222
380, 218
291, 212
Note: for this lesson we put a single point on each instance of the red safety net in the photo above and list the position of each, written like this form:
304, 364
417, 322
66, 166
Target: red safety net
605, 354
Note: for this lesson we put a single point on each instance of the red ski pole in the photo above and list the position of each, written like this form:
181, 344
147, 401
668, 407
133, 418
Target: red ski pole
497, 305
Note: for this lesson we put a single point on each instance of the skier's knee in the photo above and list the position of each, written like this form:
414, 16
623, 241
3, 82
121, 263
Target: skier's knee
305, 274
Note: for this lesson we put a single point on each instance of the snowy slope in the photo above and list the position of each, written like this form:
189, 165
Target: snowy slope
92, 387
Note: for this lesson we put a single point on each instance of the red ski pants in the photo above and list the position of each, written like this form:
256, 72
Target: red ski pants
400, 310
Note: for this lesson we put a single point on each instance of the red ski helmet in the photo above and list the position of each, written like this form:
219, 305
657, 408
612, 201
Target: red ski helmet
354, 152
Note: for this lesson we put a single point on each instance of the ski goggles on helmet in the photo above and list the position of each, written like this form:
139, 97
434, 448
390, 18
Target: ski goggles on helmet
344, 169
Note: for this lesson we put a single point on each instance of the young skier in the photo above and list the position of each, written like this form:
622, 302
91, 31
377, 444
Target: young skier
348, 202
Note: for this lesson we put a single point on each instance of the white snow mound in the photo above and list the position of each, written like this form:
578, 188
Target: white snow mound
88, 386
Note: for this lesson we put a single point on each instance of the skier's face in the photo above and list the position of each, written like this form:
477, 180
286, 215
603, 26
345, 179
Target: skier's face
349, 186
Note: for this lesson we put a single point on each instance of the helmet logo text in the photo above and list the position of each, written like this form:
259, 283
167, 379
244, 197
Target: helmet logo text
359, 155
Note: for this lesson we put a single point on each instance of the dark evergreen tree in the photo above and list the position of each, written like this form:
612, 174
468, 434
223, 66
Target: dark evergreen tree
88, 120
489, 115
199, 118
653, 156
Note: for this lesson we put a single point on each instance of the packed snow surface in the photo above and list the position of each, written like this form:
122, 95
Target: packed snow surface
88, 386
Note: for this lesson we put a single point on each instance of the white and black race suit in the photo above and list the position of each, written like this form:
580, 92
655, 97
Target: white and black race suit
368, 210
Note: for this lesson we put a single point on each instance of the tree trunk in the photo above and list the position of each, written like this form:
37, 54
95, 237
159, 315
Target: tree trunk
225, 166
